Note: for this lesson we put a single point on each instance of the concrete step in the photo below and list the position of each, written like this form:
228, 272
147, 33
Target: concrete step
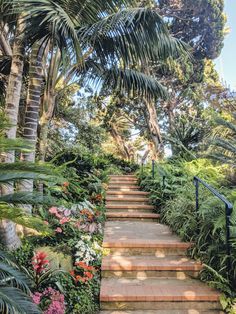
188, 311
157, 294
130, 177
130, 206
125, 199
127, 193
149, 266
142, 238
122, 188
122, 176
133, 216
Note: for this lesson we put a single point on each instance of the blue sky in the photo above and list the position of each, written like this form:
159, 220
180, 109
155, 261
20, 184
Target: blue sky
226, 63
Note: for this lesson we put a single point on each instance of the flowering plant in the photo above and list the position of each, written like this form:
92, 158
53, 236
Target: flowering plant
40, 263
50, 301
82, 272
87, 250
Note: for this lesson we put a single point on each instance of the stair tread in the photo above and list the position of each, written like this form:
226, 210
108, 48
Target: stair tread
132, 206
127, 199
140, 234
131, 215
156, 289
189, 311
175, 263
127, 193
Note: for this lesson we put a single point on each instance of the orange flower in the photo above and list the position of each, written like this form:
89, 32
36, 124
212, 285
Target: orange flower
90, 268
81, 264
88, 275
80, 278
72, 272
66, 184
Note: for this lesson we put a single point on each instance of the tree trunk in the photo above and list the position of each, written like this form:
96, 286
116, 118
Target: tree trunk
7, 228
32, 113
43, 133
120, 143
150, 115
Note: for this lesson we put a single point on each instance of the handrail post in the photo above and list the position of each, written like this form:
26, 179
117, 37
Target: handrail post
196, 183
153, 168
142, 167
228, 212
163, 182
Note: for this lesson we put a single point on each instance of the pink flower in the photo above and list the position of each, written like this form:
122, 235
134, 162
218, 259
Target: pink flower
64, 220
59, 230
67, 212
46, 222
58, 216
36, 297
53, 210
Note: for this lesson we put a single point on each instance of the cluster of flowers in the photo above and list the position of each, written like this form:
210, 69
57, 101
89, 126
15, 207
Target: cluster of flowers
57, 302
82, 273
85, 252
97, 198
84, 219
62, 214
40, 263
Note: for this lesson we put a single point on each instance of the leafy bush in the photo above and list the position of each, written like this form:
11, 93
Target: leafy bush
176, 203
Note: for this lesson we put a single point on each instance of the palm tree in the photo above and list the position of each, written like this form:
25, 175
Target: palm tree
78, 33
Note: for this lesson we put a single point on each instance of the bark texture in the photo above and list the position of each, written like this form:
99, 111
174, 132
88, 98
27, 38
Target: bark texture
150, 115
32, 113
121, 145
7, 228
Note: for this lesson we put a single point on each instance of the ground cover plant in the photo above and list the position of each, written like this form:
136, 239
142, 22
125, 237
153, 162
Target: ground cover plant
175, 201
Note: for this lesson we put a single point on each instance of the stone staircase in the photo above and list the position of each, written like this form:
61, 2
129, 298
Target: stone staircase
147, 270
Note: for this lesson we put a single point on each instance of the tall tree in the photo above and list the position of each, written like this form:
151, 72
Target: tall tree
13, 92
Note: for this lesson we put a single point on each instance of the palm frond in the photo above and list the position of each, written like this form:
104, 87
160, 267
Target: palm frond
13, 300
127, 81
17, 215
18, 171
118, 37
15, 144
28, 198
11, 276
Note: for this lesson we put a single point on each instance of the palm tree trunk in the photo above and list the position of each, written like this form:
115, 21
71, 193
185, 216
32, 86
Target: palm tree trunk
32, 113
7, 228
150, 115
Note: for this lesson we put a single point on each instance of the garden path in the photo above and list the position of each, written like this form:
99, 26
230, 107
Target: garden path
147, 269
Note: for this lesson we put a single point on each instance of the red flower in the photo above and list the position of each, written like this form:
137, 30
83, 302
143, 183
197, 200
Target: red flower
39, 262
66, 184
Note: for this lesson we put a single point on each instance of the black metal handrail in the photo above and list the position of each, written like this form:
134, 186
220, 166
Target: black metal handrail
228, 212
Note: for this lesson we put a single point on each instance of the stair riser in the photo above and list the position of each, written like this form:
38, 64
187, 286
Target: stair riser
123, 182
132, 219
127, 196
158, 252
181, 305
149, 274
114, 210
123, 188
132, 202
128, 193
